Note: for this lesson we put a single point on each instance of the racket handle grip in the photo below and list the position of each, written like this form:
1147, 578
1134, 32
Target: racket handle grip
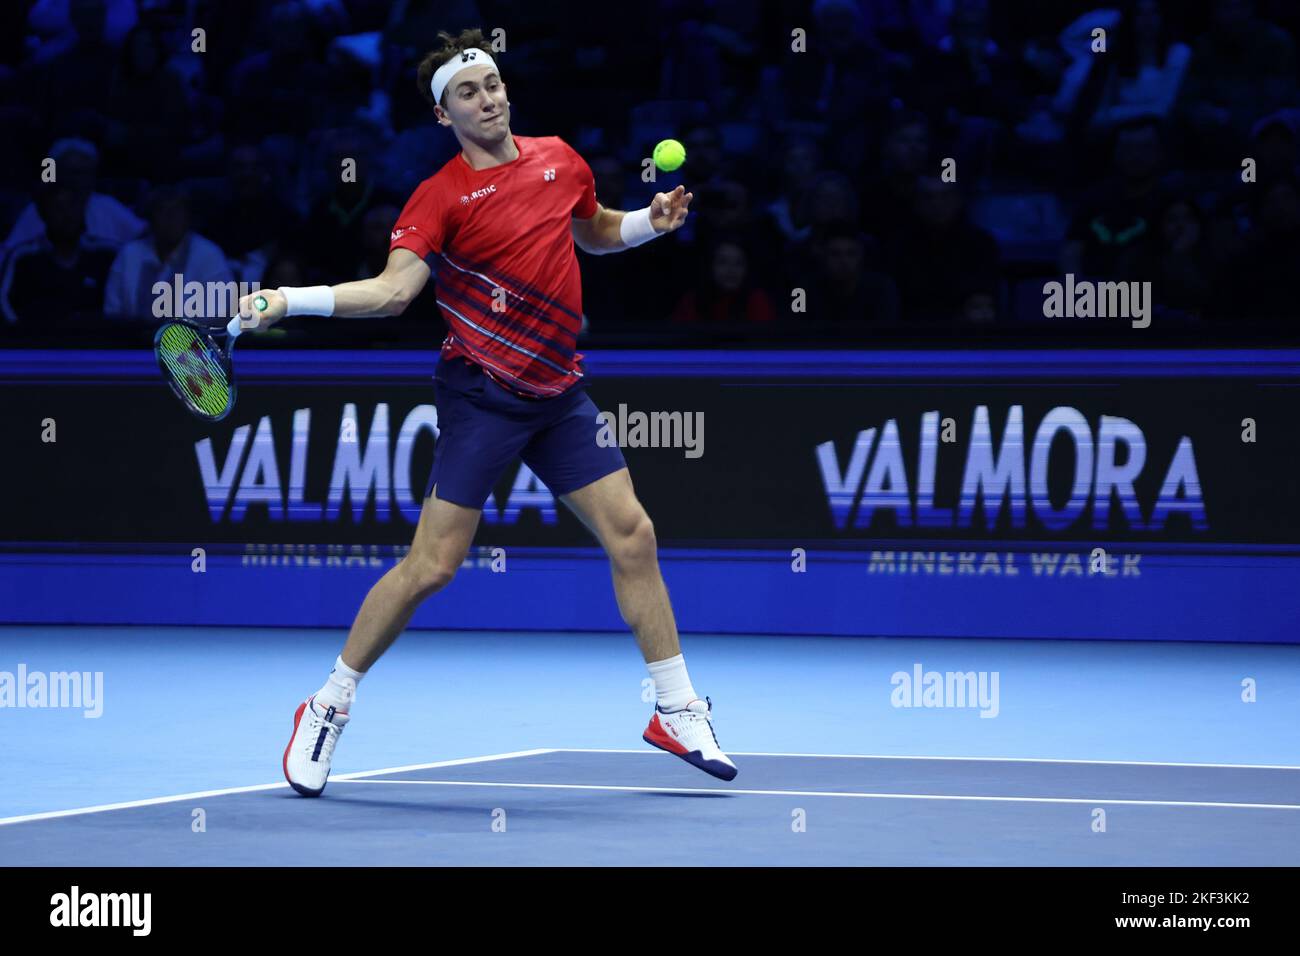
233, 328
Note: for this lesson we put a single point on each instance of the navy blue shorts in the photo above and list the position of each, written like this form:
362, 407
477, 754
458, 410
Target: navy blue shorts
482, 428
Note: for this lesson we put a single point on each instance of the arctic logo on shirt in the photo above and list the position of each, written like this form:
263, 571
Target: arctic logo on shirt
399, 232
478, 194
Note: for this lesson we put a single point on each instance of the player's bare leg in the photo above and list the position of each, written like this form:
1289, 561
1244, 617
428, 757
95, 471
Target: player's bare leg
682, 722
442, 539
610, 510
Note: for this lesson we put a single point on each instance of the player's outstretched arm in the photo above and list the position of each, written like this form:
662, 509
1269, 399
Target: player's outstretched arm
388, 293
612, 230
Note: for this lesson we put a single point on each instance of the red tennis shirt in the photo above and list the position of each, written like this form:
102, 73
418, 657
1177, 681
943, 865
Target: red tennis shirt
500, 244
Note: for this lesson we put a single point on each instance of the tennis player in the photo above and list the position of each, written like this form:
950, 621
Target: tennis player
499, 222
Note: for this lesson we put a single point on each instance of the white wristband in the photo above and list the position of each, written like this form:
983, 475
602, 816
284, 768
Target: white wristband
635, 227
308, 300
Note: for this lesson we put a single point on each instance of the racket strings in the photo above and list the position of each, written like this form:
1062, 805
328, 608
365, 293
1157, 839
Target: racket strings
197, 372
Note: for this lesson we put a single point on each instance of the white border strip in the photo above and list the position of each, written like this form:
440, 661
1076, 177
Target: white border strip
830, 793
204, 794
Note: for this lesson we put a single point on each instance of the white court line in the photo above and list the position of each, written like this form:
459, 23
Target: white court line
204, 794
829, 793
1117, 763
444, 763
359, 777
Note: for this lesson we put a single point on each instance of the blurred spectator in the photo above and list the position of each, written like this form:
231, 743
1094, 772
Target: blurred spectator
908, 25
829, 201
286, 269
979, 307
354, 70
610, 180
67, 80
941, 260
245, 215
904, 156
1259, 283
1146, 67
333, 229
810, 166
845, 290
169, 249
723, 208
420, 147
1273, 142
858, 82
969, 75
1119, 214
12, 42
726, 292
1179, 264
1230, 207
704, 156
77, 166
800, 161
833, 199
56, 21
60, 275
716, 57
1243, 67
1079, 73
410, 19
375, 230
604, 56
606, 280
840, 86
148, 110
289, 86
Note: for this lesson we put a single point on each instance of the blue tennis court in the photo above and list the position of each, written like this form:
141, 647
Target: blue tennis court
491, 748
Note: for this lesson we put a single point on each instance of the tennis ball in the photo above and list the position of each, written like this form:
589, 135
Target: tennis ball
669, 155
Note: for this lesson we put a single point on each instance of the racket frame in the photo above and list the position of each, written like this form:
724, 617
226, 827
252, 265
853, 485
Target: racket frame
205, 333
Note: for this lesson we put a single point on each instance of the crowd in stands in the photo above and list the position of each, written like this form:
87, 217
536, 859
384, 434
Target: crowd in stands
205, 137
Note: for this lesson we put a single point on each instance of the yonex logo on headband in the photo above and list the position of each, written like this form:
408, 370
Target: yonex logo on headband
444, 74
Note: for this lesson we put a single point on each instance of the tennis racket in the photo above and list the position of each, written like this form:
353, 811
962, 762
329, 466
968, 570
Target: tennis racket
199, 370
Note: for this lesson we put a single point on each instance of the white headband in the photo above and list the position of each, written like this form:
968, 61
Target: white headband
442, 76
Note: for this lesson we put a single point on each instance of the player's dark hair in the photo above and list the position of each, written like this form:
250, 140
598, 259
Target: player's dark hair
451, 46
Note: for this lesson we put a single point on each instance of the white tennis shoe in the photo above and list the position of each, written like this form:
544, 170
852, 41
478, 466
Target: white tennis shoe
688, 733
310, 752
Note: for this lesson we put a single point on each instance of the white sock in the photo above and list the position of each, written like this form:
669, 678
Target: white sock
672, 684
340, 688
